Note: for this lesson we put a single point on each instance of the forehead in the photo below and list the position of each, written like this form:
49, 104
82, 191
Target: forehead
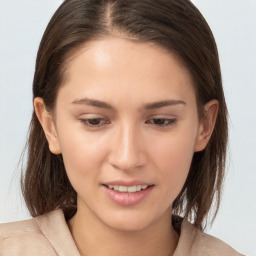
112, 65
106, 50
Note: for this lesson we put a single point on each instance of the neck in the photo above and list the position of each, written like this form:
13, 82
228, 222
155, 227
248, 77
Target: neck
94, 238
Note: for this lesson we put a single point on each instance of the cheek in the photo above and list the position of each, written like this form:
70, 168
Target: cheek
81, 153
176, 151
173, 157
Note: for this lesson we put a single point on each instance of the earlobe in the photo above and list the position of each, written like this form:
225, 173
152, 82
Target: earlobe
46, 120
207, 125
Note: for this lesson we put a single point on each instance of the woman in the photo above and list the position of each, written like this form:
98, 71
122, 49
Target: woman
129, 132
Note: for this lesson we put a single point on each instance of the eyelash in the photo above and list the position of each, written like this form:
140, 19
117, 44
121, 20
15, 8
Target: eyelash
100, 122
162, 122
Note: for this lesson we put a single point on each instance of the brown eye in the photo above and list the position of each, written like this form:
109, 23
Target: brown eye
95, 122
161, 121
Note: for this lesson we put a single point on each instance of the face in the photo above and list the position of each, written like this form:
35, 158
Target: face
127, 126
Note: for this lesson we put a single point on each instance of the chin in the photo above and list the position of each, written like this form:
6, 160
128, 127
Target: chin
128, 222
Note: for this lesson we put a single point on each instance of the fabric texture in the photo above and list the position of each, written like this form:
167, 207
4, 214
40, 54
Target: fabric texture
49, 235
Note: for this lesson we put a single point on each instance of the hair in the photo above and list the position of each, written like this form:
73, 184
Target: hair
175, 25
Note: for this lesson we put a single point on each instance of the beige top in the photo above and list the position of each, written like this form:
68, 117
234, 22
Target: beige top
49, 235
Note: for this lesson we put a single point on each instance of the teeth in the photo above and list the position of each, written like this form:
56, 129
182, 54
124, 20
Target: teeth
125, 189
132, 189
138, 187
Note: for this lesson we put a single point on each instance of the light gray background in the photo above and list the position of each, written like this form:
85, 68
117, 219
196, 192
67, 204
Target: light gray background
233, 23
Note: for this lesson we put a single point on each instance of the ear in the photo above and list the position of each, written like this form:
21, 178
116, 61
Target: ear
46, 120
207, 124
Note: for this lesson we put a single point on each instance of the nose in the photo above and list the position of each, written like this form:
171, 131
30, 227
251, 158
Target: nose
127, 151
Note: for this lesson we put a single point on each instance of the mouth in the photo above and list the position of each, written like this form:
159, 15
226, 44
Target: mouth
129, 194
128, 189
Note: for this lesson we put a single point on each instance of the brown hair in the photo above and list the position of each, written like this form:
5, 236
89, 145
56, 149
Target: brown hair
175, 25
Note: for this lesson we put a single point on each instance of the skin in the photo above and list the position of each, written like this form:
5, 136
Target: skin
130, 139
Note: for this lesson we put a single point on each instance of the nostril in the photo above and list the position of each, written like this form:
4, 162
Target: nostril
125, 167
127, 151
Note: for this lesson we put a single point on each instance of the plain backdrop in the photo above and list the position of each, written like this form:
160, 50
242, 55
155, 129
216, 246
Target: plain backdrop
233, 23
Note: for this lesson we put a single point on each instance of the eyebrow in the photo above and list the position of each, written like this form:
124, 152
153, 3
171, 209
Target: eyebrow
92, 102
164, 103
148, 106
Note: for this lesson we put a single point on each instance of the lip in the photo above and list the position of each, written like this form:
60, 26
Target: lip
127, 199
128, 183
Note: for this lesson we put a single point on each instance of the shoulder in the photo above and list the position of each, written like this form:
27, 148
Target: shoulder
45, 235
198, 243
23, 237
214, 246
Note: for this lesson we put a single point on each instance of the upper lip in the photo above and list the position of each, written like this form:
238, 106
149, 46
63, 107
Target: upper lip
127, 183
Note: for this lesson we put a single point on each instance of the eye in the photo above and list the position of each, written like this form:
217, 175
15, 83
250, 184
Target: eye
94, 122
161, 122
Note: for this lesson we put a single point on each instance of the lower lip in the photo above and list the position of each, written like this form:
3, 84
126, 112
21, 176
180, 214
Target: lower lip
127, 199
